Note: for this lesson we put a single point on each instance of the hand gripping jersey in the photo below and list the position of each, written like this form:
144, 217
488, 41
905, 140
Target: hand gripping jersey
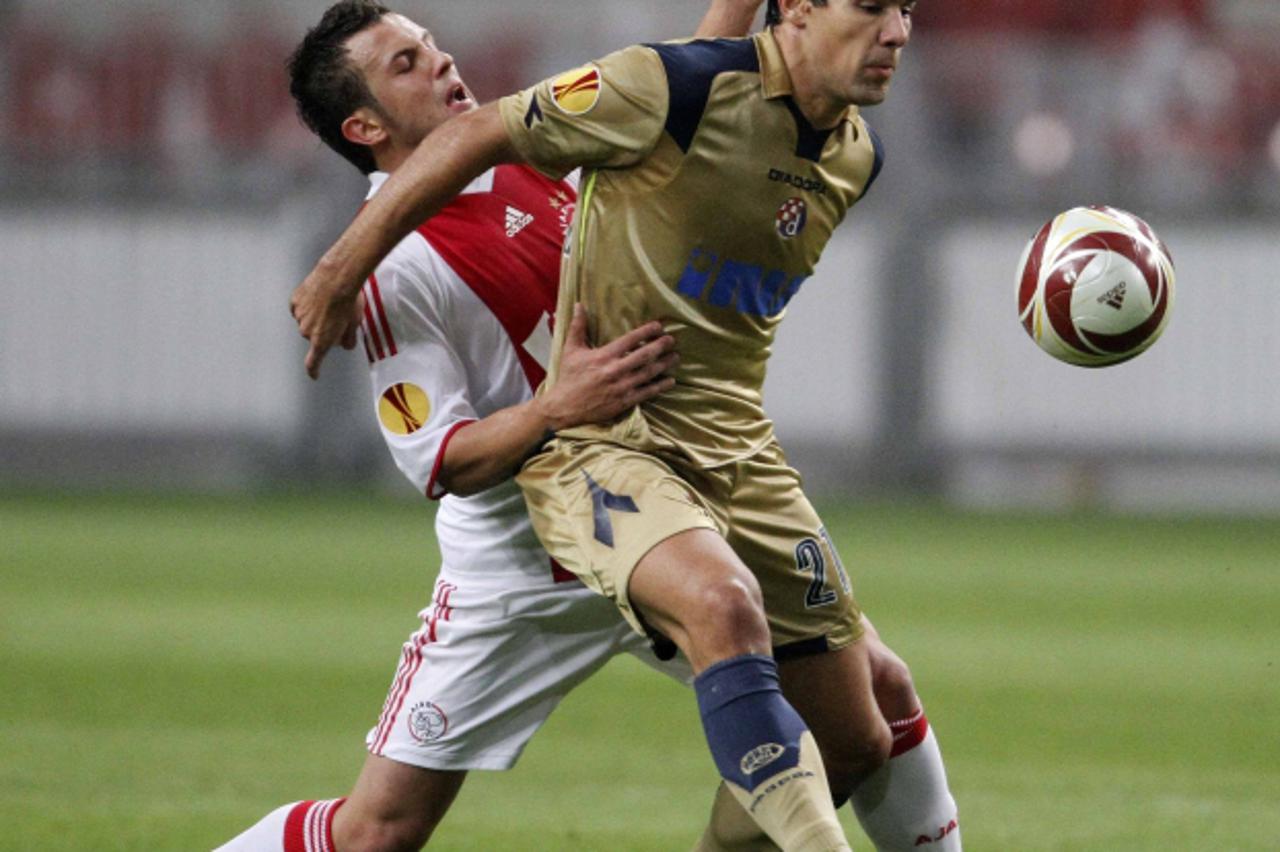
706, 200
456, 327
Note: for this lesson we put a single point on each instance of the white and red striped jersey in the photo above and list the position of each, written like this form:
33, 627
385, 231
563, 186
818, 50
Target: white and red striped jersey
457, 326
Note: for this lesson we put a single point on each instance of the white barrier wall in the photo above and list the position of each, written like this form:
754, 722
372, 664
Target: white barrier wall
174, 324
156, 322
822, 382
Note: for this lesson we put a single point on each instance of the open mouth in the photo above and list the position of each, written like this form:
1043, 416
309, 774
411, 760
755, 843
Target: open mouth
458, 95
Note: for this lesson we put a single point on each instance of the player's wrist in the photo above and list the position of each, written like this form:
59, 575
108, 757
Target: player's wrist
547, 416
335, 281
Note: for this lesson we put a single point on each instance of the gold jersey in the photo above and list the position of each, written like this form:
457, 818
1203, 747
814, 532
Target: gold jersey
706, 200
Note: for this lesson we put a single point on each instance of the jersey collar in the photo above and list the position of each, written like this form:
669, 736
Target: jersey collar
376, 180
483, 183
775, 79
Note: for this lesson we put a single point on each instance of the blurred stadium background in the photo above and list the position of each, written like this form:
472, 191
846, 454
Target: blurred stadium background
160, 200
185, 662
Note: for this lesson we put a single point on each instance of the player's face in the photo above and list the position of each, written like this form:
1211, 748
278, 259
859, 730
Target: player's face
859, 42
416, 84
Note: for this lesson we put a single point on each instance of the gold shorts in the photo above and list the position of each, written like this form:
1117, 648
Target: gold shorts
600, 507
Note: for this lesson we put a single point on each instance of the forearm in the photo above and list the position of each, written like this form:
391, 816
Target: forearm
441, 167
490, 451
728, 18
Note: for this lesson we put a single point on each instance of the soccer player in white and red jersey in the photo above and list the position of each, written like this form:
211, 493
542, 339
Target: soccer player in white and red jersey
456, 328
678, 140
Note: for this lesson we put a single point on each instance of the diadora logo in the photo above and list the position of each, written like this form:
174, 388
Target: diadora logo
602, 503
760, 757
744, 287
533, 114
517, 220
798, 181
1113, 298
925, 840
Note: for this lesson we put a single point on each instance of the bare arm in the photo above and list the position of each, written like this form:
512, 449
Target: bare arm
728, 18
595, 385
324, 304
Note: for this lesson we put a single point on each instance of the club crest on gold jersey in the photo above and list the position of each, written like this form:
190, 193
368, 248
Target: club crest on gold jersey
791, 218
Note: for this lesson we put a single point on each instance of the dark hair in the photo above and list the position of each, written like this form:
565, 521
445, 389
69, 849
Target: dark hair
773, 15
326, 89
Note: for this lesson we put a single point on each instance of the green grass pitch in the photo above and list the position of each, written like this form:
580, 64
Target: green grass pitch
172, 668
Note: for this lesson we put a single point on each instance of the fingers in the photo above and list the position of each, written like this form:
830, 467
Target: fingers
349, 336
654, 350
314, 356
650, 379
577, 337
658, 367
635, 338
650, 390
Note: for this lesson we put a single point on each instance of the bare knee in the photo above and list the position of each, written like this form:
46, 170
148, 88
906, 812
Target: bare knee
727, 619
694, 589
894, 689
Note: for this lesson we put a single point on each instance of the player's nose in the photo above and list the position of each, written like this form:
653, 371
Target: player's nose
897, 28
443, 63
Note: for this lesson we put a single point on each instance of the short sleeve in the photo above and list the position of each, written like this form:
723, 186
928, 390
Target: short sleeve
419, 382
608, 114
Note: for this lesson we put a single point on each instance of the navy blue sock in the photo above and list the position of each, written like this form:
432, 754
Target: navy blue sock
753, 732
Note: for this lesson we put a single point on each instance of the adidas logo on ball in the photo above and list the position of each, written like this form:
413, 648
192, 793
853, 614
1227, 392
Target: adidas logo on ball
1113, 298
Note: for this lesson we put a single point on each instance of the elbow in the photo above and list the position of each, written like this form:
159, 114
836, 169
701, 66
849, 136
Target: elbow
458, 486
467, 481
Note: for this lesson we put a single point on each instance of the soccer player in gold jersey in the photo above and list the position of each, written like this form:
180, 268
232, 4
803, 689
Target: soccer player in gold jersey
714, 174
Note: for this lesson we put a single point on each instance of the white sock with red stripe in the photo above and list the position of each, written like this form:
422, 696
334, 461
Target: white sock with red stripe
297, 827
906, 805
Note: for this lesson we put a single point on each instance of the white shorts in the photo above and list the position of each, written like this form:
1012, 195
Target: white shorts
490, 663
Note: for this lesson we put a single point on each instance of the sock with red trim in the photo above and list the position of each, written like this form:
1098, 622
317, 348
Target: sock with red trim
906, 805
296, 827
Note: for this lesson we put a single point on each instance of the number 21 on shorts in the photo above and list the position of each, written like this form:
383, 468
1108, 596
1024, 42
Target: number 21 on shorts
811, 560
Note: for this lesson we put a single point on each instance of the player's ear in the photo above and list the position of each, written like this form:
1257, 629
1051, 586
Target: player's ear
364, 127
794, 12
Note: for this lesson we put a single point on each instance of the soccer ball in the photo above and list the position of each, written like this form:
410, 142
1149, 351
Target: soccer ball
1095, 286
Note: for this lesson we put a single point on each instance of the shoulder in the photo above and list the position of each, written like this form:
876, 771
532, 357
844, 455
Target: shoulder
692, 61
691, 70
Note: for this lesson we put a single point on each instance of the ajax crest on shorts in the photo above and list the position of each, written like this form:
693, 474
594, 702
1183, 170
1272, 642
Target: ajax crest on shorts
427, 722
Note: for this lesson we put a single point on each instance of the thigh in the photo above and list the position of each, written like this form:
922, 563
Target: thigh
808, 596
598, 508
